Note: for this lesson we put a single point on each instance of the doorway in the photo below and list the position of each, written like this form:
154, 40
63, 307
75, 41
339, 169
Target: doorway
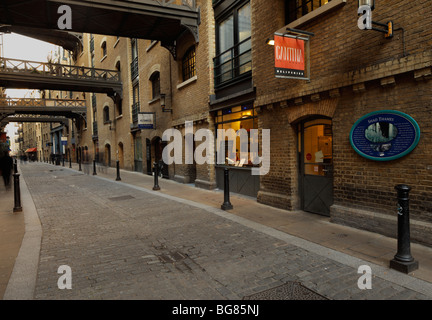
156, 154
107, 155
138, 155
315, 152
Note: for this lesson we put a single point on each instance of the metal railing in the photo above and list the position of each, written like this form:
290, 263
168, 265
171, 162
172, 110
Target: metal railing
56, 70
135, 110
233, 63
134, 68
36, 102
91, 44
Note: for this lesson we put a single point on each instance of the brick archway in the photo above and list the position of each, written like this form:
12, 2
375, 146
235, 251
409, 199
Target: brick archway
325, 108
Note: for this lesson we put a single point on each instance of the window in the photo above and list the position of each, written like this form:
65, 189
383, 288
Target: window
188, 64
106, 115
233, 34
236, 118
298, 8
135, 103
134, 43
104, 49
134, 63
155, 83
135, 95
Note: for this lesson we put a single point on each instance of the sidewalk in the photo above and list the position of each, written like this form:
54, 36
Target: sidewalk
11, 235
311, 230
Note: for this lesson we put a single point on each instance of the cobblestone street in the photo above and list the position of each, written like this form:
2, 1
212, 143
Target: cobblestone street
124, 242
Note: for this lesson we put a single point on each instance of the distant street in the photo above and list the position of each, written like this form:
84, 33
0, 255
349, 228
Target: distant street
122, 242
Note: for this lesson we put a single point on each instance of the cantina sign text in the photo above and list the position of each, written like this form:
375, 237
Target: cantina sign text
290, 59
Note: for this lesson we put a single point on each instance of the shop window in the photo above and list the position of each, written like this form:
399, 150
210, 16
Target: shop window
188, 64
233, 39
236, 118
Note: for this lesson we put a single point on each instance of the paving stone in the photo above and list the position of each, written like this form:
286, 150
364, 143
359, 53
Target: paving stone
124, 243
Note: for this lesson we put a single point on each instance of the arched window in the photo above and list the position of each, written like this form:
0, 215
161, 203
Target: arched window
155, 82
104, 49
106, 116
188, 64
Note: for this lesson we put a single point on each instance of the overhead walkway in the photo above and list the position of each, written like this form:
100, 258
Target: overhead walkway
22, 109
162, 20
23, 74
33, 118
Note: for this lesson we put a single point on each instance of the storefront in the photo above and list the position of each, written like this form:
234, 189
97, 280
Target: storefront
236, 118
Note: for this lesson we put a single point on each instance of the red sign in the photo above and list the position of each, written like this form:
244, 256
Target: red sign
308, 157
289, 57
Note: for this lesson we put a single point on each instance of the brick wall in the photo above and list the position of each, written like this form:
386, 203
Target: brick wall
353, 72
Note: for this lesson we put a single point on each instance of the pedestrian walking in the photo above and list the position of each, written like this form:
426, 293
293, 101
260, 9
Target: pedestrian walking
6, 165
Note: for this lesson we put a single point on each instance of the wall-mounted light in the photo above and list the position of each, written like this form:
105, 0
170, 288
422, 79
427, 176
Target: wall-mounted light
270, 42
163, 103
387, 27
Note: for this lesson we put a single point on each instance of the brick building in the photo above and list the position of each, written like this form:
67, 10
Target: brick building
171, 85
353, 72
223, 77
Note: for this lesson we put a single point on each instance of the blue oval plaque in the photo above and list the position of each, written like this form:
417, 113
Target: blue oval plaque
384, 135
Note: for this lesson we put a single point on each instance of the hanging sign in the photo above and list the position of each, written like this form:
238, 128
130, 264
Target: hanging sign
291, 57
146, 120
385, 135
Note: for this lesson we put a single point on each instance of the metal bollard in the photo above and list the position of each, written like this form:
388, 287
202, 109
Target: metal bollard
94, 167
70, 162
156, 173
17, 193
227, 204
63, 160
403, 261
118, 170
79, 165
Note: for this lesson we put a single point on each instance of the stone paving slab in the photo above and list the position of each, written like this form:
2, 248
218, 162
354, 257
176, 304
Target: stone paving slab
152, 246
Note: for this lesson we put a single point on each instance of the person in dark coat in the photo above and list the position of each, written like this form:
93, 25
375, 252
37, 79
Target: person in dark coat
6, 166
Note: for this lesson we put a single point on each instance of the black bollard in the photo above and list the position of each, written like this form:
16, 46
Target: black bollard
70, 162
227, 204
403, 261
94, 167
156, 173
63, 160
79, 165
17, 193
118, 170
